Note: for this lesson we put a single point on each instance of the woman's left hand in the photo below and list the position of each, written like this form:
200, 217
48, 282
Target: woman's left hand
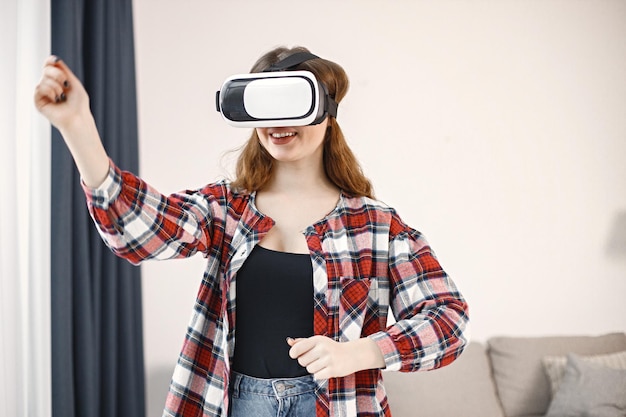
325, 358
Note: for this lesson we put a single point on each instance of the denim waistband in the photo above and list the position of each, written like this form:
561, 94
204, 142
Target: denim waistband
278, 387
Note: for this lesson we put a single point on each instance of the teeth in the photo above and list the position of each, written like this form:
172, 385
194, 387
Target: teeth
283, 134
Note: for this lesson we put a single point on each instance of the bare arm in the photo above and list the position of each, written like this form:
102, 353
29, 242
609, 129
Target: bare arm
62, 99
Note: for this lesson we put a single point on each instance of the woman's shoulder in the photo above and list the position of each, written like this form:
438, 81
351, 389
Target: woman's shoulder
217, 200
362, 203
369, 210
219, 188
378, 212
222, 192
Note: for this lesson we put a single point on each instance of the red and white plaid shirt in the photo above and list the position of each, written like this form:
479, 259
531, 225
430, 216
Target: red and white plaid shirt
365, 260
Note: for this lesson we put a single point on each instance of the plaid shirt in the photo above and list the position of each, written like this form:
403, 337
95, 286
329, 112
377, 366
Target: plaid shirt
365, 260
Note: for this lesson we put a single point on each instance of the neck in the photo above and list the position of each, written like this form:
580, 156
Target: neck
299, 177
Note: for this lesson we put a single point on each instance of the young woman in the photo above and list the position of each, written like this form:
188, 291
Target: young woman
302, 266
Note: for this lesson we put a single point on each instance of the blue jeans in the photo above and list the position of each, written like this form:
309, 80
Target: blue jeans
283, 397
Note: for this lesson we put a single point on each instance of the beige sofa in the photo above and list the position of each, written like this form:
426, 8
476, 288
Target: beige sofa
504, 377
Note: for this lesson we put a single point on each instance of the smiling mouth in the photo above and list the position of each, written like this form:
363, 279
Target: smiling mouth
281, 135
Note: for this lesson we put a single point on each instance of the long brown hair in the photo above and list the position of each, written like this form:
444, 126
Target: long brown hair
254, 165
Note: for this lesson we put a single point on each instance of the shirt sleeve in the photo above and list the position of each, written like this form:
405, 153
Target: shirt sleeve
138, 223
431, 329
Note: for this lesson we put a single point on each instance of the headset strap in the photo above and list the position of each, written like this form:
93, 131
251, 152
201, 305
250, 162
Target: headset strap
291, 61
331, 106
296, 59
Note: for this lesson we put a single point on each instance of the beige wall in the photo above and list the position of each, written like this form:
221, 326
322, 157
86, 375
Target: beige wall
497, 128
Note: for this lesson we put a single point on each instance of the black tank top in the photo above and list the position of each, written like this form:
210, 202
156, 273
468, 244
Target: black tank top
274, 300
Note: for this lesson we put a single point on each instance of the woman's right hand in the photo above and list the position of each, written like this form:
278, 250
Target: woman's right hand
62, 99
60, 96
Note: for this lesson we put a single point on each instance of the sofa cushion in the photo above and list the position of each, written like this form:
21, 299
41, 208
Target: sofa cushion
555, 365
463, 388
589, 389
522, 385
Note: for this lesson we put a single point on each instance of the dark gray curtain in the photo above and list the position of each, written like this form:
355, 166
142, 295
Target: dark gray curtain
97, 348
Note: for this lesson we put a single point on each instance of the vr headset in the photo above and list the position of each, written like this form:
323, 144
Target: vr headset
276, 97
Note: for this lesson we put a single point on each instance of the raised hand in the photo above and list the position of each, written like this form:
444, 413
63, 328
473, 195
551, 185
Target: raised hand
62, 99
60, 95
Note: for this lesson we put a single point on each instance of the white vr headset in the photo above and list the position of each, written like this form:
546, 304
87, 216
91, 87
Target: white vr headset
279, 97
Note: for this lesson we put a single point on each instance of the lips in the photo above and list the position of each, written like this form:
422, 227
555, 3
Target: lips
281, 137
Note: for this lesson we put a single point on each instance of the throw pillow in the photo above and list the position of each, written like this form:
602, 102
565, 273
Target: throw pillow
589, 390
554, 366
521, 382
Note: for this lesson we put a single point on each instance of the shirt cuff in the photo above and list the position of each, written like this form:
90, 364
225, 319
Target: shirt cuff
393, 360
102, 196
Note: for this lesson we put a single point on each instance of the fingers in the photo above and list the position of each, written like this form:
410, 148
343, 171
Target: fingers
51, 60
49, 91
301, 349
299, 346
54, 83
57, 62
291, 341
57, 70
311, 354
